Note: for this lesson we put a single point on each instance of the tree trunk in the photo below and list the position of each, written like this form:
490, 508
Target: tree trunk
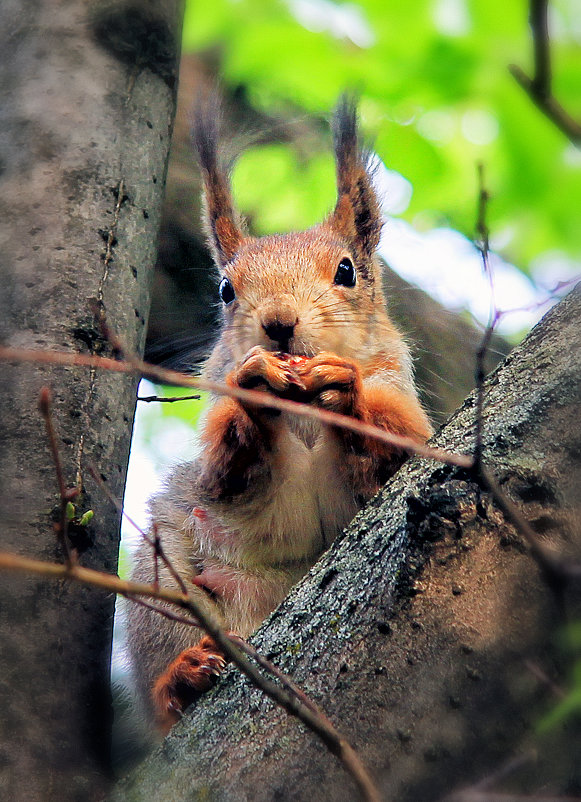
88, 97
423, 632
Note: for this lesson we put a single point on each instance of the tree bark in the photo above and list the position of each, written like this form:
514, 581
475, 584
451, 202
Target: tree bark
88, 98
421, 633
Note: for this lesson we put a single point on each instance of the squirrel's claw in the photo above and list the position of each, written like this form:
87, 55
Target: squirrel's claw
193, 671
269, 369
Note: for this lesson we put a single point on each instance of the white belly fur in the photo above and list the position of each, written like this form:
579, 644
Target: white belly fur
309, 500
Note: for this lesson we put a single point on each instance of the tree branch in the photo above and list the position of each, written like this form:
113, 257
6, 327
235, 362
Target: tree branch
539, 87
167, 400
542, 51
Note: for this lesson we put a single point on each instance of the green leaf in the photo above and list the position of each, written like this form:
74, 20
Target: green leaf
86, 518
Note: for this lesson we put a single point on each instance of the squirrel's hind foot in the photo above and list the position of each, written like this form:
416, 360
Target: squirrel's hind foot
193, 672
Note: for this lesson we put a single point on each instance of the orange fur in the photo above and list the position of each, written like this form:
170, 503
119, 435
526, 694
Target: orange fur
233, 443
194, 671
338, 386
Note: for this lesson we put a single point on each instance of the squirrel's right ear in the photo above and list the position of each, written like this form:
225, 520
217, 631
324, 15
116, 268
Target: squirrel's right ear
357, 216
220, 218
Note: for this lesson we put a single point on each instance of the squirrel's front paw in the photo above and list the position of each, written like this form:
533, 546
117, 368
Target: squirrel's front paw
333, 381
193, 671
267, 370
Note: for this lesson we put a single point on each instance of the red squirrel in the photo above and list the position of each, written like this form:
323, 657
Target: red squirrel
303, 317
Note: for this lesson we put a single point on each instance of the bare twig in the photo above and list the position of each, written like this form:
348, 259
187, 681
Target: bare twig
549, 106
483, 246
251, 397
566, 284
543, 677
171, 400
507, 769
340, 747
157, 552
163, 611
542, 51
554, 564
263, 662
539, 88
155, 545
336, 744
66, 494
474, 795
482, 788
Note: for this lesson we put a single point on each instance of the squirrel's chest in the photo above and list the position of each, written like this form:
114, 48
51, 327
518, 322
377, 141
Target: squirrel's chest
298, 513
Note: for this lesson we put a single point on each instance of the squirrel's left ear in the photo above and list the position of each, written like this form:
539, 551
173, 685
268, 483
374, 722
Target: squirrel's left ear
220, 218
357, 216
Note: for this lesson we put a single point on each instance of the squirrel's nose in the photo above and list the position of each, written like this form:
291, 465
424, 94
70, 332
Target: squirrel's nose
279, 332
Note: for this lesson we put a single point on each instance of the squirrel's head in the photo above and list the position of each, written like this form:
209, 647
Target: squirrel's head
302, 292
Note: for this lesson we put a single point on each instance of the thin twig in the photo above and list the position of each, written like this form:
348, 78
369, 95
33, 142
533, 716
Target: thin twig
481, 226
542, 52
483, 244
165, 400
345, 752
539, 88
251, 397
157, 552
180, 619
507, 769
543, 677
293, 705
474, 795
554, 564
287, 683
477, 791
65, 494
159, 547
549, 106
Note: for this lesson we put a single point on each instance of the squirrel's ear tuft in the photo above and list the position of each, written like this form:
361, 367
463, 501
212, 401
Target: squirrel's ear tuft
220, 218
357, 216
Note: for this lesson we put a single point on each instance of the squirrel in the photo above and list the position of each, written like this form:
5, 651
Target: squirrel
304, 317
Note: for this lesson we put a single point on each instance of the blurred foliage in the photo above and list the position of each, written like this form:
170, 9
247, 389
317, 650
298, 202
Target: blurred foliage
436, 98
570, 703
124, 563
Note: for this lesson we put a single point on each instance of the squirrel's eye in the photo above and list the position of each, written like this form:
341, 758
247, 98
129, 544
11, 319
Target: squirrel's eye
226, 291
345, 274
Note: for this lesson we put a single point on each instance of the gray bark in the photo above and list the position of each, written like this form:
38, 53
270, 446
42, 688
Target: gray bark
88, 96
414, 630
